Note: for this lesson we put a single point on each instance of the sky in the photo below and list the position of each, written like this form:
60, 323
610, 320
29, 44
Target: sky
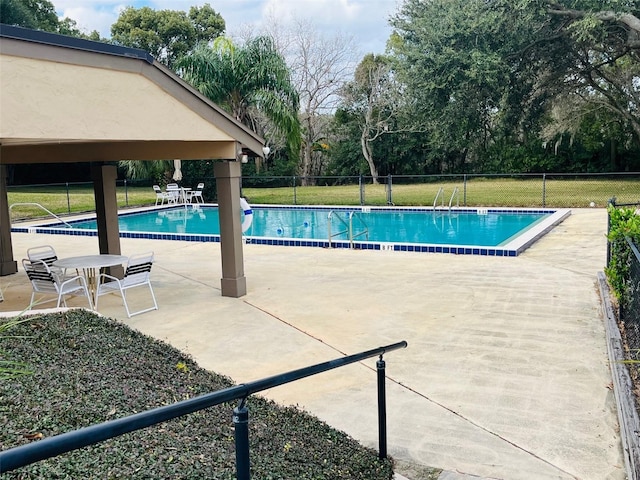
365, 20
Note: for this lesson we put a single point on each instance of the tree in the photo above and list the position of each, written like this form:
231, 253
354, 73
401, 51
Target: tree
451, 57
166, 34
245, 80
40, 15
36, 14
375, 100
601, 53
320, 66
489, 72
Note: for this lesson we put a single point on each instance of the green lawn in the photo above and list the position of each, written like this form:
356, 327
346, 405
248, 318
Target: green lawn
477, 192
74, 199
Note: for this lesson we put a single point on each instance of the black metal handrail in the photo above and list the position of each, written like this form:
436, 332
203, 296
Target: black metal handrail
50, 447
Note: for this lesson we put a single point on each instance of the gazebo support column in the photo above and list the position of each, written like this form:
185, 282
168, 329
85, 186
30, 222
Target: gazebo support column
104, 187
7, 264
234, 283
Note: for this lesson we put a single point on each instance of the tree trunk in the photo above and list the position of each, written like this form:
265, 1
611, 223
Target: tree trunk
367, 151
306, 166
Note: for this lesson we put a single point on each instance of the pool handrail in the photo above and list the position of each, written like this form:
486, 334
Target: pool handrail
354, 214
456, 195
440, 194
33, 204
329, 217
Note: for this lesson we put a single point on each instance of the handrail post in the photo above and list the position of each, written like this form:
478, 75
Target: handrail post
382, 409
361, 188
295, 182
241, 433
68, 199
464, 203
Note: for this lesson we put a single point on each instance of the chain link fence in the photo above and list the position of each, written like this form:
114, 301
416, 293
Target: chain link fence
523, 190
630, 310
625, 254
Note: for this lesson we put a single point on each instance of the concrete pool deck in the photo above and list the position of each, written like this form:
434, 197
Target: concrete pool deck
506, 374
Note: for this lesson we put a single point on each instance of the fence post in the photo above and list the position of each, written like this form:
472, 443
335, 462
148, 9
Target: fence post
389, 195
295, 200
241, 433
611, 202
382, 409
544, 190
68, 199
126, 193
361, 186
464, 187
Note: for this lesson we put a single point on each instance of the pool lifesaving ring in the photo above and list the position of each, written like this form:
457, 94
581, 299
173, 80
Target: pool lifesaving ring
248, 214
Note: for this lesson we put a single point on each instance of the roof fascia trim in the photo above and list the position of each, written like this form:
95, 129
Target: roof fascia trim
55, 39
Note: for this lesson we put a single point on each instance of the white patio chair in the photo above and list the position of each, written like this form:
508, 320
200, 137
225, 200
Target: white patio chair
44, 281
173, 191
160, 195
196, 194
48, 255
137, 274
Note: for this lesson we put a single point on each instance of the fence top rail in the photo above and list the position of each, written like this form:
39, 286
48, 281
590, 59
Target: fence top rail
49, 447
633, 248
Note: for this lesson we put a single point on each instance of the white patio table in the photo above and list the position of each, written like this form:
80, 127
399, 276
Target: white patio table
90, 265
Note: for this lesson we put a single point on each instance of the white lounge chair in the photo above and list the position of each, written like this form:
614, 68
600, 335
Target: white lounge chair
196, 194
44, 281
137, 274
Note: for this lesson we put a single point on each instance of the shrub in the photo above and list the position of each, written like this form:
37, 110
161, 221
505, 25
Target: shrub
624, 224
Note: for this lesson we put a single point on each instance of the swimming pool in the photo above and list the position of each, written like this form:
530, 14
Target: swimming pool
481, 231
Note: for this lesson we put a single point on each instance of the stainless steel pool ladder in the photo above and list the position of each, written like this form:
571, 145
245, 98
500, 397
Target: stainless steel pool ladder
43, 208
456, 195
348, 226
440, 195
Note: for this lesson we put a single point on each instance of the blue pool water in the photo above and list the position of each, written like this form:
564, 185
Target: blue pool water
475, 231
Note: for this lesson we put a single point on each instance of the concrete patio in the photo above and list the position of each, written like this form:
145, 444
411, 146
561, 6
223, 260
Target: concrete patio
506, 374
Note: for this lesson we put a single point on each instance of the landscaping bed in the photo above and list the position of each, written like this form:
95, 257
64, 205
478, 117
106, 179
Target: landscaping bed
86, 369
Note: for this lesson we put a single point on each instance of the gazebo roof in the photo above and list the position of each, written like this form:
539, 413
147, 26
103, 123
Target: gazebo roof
65, 99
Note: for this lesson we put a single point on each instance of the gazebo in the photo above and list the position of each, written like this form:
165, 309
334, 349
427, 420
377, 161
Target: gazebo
65, 100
